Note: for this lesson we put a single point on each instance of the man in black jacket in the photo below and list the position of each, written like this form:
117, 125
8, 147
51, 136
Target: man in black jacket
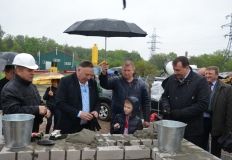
77, 99
218, 119
125, 86
185, 98
9, 74
19, 95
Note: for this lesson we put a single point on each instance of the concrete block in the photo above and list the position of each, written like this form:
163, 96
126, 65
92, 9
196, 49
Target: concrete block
106, 135
110, 152
88, 153
111, 142
41, 154
188, 156
25, 155
73, 154
123, 142
137, 152
57, 154
147, 142
129, 137
155, 142
6, 154
135, 142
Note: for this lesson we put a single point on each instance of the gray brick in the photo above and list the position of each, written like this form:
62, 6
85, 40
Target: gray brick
137, 152
111, 142
6, 154
88, 153
147, 142
110, 152
155, 142
57, 154
123, 142
73, 154
135, 142
154, 151
25, 155
41, 154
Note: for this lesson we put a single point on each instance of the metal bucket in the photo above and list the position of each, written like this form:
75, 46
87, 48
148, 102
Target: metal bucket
17, 129
170, 135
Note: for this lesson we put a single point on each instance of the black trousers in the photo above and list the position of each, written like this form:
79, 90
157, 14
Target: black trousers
215, 147
207, 130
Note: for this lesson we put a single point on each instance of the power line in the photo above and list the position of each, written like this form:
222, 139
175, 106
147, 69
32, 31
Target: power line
153, 42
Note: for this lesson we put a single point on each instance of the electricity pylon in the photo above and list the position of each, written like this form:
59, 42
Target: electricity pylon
153, 43
228, 53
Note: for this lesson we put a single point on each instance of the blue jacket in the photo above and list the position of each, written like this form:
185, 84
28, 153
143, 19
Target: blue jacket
122, 89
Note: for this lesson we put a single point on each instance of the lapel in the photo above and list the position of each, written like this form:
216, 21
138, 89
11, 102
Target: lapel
216, 93
77, 89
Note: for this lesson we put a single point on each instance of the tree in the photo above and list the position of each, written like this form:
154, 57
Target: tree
1, 32
159, 60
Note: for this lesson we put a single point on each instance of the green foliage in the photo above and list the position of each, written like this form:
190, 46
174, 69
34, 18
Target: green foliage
215, 59
144, 68
159, 60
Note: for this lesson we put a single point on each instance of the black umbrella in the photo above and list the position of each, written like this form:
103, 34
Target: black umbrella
6, 58
106, 28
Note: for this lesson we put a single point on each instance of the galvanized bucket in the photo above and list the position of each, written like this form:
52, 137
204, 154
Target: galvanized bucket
17, 129
170, 135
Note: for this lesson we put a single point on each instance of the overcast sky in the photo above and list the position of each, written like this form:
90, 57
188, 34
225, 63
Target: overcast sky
182, 25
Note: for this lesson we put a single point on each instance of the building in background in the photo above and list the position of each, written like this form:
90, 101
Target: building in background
57, 59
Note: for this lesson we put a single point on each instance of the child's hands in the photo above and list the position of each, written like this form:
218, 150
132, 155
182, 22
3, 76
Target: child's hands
117, 126
50, 93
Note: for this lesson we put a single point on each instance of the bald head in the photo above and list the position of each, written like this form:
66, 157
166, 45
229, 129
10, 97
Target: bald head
201, 71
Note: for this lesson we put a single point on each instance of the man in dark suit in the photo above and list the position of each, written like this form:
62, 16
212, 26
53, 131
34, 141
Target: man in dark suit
218, 118
77, 99
185, 98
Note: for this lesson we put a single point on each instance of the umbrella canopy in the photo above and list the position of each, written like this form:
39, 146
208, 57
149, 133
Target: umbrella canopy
6, 58
46, 78
106, 28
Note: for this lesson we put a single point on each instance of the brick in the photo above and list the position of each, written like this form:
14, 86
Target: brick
57, 154
147, 142
154, 151
155, 142
110, 152
137, 152
88, 153
41, 154
25, 155
73, 154
6, 154
111, 142
123, 142
135, 142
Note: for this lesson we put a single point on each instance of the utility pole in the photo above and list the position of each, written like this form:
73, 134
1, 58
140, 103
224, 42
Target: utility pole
153, 42
228, 53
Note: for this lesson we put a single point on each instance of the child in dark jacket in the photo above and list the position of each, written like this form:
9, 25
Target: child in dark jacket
49, 96
128, 122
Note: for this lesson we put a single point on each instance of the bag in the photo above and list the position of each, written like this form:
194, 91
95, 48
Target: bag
225, 142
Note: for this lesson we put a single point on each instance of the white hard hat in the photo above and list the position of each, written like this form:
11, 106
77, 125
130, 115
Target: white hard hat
169, 68
25, 60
